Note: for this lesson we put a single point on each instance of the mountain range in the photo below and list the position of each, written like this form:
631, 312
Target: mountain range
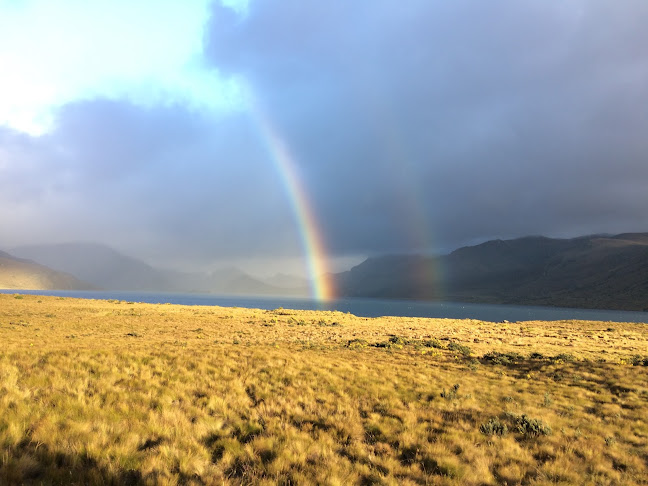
596, 271
105, 268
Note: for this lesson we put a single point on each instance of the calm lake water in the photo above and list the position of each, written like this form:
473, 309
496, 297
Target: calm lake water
366, 307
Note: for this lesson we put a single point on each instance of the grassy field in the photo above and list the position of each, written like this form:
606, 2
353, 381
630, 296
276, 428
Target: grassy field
99, 392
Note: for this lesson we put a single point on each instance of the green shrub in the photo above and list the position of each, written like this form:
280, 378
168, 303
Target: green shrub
465, 350
493, 357
494, 427
394, 342
529, 427
400, 341
432, 343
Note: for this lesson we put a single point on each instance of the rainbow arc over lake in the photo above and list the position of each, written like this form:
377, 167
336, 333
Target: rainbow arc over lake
322, 286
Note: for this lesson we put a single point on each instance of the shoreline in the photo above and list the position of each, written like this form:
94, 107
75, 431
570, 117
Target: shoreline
365, 307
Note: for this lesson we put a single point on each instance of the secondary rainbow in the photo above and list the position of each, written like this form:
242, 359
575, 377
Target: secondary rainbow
322, 287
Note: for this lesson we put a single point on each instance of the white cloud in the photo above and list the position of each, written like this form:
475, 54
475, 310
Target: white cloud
148, 52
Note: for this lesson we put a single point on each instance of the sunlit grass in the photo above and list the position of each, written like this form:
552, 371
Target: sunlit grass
94, 392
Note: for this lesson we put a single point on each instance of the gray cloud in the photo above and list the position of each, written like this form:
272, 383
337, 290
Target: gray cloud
415, 127
163, 181
478, 119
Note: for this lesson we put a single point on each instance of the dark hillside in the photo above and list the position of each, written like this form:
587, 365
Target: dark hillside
606, 272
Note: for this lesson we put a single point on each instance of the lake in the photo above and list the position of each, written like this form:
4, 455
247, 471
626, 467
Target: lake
364, 307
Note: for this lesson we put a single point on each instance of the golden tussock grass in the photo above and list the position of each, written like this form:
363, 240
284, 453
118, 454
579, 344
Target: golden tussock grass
99, 392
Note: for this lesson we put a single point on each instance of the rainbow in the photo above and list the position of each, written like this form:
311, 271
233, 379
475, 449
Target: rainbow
322, 287
412, 195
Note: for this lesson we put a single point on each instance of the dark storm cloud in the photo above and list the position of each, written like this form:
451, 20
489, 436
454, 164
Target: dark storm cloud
415, 126
471, 119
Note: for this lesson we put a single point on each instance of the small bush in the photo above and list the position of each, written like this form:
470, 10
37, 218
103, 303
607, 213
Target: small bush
494, 427
398, 340
432, 343
394, 342
465, 350
529, 427
493, 357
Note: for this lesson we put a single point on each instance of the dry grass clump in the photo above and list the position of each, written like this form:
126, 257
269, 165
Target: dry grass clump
95, 392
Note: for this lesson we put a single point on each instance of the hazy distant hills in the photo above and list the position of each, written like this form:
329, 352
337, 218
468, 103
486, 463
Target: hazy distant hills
282, 280
16, 273
97, 264
108, 269
608, 272
599, 271
231, 281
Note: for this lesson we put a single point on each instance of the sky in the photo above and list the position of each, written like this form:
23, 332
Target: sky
266, 133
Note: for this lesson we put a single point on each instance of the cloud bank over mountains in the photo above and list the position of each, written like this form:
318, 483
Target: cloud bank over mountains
413, 128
